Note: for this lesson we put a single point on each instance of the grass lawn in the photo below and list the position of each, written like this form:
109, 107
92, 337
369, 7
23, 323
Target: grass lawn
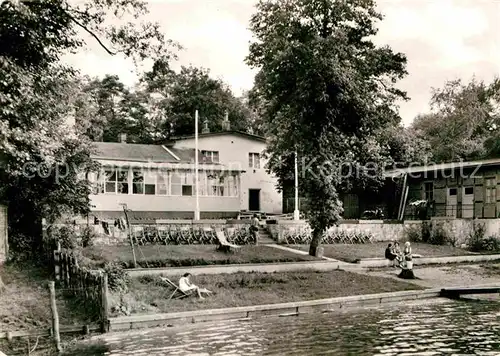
354, 252
25, 305
148, 294
188, 255
492, 268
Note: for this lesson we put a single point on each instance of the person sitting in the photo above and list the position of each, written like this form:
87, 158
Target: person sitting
408, 258
187, 287
390, 255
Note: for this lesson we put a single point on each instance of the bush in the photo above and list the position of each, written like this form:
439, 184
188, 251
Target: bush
414, 233
66, 235
439, 237
88, 235
117, 277
426, 231
476, 237
491, 244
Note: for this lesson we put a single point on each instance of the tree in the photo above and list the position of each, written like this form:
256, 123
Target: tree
464, 121
42, 158
180, 94
326, 90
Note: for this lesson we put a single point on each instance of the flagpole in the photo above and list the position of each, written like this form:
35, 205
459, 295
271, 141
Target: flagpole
197, 209
296, 213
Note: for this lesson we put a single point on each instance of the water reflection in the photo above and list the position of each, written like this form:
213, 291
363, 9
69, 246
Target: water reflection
451, 328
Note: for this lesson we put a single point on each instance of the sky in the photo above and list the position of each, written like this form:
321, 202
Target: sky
442, 39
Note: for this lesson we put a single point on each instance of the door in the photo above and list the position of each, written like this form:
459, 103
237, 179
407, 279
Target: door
468, 202
451, 203
254, 199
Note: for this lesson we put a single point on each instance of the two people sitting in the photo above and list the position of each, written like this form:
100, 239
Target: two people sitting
402, 260
187, 287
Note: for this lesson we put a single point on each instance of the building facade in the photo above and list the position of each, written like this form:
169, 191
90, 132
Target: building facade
242, 152
452, 190
158, 182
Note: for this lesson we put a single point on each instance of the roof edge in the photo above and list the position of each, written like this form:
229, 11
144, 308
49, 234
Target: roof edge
209, 134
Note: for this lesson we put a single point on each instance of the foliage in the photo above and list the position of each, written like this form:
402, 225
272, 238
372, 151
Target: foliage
180, 94
326, 91
117, 277
439, 236
464, 121
477, 242
87, 236
414, 233
42, 158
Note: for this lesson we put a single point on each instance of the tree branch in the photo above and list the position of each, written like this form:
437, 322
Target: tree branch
92, 34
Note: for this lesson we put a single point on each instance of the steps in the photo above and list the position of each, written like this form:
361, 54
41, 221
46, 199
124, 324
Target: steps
264, 237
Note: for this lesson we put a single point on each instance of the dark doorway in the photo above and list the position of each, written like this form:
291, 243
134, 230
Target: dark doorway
254, 199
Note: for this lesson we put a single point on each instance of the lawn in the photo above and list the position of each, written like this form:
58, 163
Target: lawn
148, 294
188, 255
354, 252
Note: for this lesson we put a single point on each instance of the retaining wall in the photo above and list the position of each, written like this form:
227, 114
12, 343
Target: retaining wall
289, 231
281, 309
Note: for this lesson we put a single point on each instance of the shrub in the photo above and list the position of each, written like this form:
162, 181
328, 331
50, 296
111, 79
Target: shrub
491, 244
66, 235
414, 233
426, 231
88, 235
476, 237
439, 237
117, 277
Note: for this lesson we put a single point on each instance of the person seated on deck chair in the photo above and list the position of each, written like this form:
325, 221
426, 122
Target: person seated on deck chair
187, 287
390, 255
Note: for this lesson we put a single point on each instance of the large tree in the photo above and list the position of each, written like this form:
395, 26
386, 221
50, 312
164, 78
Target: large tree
42, 157
326, 90
180, 93
464, 121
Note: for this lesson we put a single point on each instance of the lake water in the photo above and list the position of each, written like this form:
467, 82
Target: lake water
423, 328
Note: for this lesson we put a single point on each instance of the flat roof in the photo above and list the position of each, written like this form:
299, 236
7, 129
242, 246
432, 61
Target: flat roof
392, 173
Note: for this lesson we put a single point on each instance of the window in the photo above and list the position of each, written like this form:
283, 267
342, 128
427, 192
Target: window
175, 184
162, 181
469, 190
491, 191
253, 160
453, 191
429, 191
215, 185
143, 183
187, 180
138, 183
116, 181
211, 155
231, 186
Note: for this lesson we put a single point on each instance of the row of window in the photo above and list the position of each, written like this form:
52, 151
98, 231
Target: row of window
253, 158
116, 181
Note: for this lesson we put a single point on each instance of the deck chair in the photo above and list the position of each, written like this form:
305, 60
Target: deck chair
224, 245
177, 293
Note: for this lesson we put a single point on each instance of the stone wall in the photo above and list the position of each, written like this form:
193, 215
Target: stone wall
4, 244
287, 231
299, 231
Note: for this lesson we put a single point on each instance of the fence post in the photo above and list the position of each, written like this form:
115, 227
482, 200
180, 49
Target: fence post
104, 303
55, 316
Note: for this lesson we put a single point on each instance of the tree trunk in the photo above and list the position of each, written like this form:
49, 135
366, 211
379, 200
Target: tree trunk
317, 236
2, 286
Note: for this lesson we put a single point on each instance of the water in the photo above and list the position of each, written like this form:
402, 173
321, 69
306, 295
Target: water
438, 328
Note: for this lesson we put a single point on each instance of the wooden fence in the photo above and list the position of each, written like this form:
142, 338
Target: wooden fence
90, 287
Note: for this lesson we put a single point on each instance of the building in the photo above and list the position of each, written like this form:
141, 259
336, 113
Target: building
453, 190
158, 182
241, 152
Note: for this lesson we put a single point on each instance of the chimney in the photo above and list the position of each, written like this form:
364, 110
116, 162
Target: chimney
123, 137
226, 125
205, 128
